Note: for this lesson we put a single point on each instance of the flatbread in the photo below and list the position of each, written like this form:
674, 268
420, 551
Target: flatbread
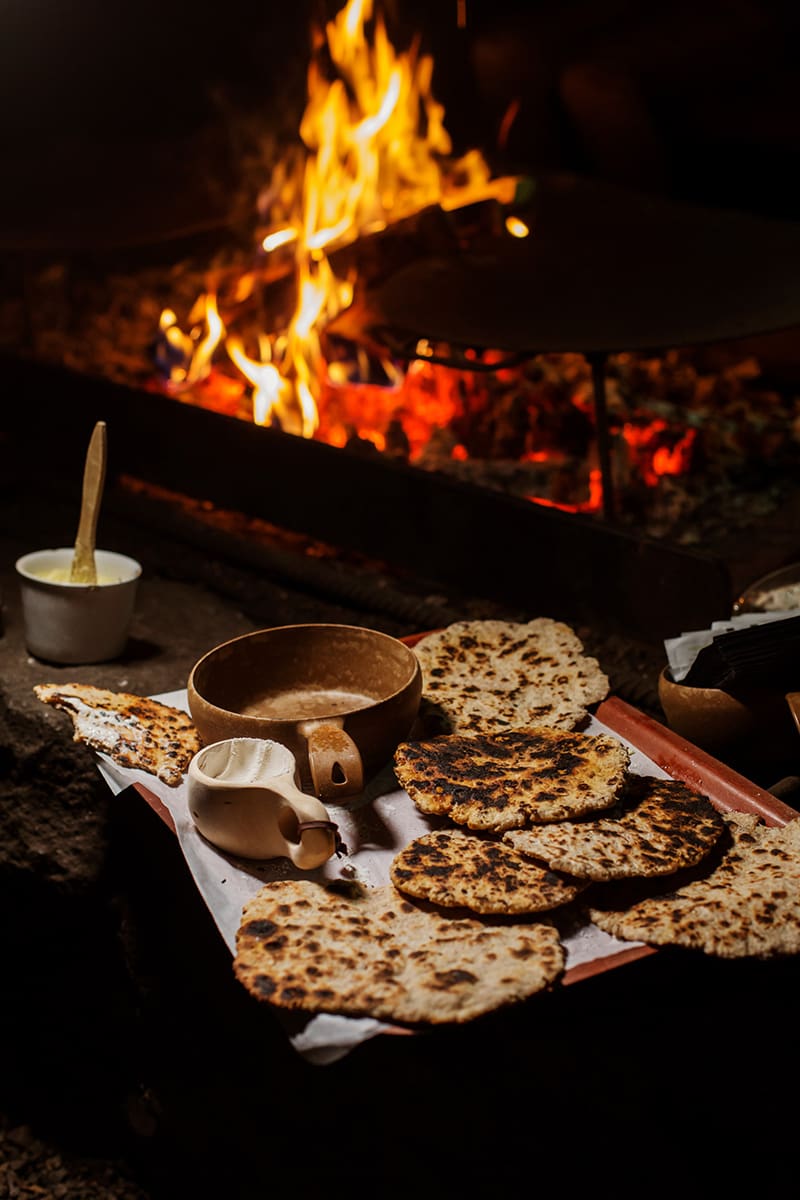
746, 905
135, 731
513, 779
372, 953
454, 869
488, 676
660, 827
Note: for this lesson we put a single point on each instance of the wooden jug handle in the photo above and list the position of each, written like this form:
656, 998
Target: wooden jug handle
334, 761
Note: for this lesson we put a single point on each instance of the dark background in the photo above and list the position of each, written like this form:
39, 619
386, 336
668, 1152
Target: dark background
698, 100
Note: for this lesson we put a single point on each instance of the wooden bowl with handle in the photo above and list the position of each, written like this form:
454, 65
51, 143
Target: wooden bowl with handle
340, 697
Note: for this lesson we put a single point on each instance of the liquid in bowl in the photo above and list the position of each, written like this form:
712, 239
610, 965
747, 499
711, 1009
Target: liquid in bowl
306, 703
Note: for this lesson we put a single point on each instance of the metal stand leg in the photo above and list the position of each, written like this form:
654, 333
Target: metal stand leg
598, 365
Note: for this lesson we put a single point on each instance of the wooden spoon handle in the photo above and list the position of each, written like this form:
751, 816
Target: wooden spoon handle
83, 568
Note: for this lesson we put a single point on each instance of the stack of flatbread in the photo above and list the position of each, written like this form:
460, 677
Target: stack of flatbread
655, 863
745, 902
539, 823
534, 821
564, 803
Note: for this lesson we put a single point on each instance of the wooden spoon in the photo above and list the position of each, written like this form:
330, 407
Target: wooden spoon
84, 569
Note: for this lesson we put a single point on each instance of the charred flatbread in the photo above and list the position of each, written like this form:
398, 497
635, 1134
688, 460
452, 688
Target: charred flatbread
660, 826
513, 779
455, 869
747, 905
134, 731
372, 953
489, 676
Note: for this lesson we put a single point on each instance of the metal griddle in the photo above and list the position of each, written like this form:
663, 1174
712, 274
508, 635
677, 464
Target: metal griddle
604, 270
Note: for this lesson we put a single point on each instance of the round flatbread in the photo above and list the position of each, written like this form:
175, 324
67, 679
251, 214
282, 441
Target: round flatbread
746, 905
372, 953
135, 731
660, 826
514, 779
454, 869
488, 676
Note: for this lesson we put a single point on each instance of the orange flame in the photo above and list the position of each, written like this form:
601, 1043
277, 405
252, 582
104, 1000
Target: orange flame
190, 355
377, 151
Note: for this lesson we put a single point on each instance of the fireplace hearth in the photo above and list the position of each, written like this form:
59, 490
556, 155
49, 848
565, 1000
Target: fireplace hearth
441, 485
478, 540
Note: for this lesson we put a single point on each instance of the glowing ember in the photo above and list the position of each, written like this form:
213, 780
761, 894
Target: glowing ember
659, 450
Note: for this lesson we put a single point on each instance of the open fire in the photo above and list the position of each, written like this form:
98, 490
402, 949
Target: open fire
229, 366
376, 151
246, 324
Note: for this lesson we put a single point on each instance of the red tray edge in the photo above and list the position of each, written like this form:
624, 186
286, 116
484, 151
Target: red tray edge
699, 770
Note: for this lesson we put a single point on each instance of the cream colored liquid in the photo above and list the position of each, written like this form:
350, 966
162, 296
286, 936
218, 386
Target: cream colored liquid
62, 575
300, 704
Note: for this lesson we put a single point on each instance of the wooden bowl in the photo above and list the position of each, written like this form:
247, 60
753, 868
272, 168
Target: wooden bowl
742, 723
340, 697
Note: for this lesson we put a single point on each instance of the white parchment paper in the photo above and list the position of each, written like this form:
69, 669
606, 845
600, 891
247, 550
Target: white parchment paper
374, 827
